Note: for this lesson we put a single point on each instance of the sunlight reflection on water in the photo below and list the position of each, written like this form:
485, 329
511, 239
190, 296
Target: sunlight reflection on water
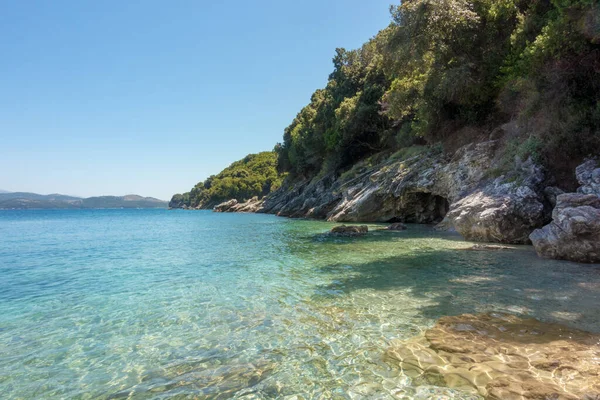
155, 304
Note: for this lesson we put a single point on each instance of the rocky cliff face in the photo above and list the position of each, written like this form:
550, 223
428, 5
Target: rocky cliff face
574, 233
455, 192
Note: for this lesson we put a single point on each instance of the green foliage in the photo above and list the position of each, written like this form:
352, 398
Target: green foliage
444, 58
343, 122
409, 152
522, 150
551, 81
254, 175
445, 64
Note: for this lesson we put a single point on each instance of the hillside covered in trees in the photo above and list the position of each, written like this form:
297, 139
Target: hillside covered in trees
254, 175
443, 74
26, 201
446, 65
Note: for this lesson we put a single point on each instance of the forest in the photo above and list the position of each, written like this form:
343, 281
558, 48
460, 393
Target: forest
254, 175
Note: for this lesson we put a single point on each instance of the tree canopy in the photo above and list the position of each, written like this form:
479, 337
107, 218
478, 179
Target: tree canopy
254, 175
445, 64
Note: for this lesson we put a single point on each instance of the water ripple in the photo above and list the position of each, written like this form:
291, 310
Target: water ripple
137, 304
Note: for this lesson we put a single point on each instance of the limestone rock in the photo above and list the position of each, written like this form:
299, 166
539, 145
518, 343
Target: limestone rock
499, 212
588, 175
504, 357
251, 206
312, 199
416, 190
225, 206
574, 233
344, 230
426, 189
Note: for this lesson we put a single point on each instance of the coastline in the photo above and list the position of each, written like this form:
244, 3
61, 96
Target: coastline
455, 193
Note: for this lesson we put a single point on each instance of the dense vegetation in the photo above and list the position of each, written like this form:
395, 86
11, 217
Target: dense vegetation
254, 175
445, 65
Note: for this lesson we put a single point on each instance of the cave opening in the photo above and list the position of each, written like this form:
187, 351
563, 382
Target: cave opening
421, 208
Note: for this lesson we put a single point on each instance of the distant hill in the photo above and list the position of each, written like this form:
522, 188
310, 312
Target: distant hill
129, 201
23, 200
253, 175
4, 191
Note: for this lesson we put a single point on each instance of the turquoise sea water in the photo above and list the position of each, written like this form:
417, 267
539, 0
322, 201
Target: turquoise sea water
140, 304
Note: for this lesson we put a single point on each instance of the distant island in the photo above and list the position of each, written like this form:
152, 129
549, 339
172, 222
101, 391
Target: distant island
24, 201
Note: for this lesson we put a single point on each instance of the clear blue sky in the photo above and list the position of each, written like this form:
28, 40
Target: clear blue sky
150, 97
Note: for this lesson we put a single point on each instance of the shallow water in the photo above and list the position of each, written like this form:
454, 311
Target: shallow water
107, 304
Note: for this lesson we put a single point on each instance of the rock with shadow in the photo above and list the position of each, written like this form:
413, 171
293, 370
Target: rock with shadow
349, 230
574, 233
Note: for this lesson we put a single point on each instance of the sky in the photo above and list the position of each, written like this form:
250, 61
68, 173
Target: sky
150, 97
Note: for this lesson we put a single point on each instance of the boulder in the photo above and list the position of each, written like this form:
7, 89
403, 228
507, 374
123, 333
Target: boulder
250, 206
574, 233
503, 357
226, 206
499, 213
344, 230
398, 226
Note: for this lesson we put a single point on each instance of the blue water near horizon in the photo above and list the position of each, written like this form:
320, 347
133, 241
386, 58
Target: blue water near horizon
107, 304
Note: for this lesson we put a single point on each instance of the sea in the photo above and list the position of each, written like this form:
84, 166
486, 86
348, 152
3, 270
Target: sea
159, 304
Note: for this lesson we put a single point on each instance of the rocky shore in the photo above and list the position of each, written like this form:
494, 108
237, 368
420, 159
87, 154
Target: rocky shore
574, 233
459, 192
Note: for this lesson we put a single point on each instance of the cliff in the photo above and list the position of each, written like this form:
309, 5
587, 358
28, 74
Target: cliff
459, 192
456, 191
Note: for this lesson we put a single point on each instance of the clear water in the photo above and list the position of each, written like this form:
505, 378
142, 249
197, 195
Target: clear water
139, 304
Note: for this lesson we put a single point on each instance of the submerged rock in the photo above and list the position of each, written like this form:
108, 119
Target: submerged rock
503, 357
344, 230
574, 233
488, 247
398, 226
